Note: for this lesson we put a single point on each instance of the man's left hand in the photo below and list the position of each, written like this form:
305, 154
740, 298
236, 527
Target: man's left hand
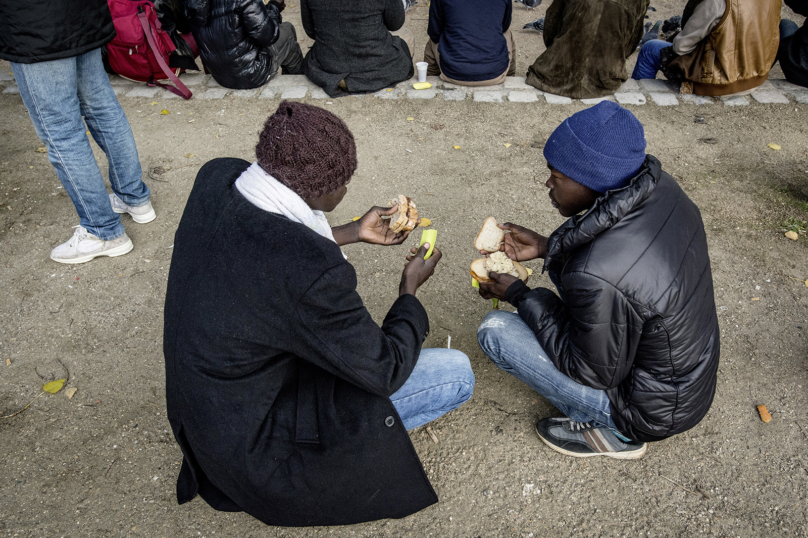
373, 229
497, 288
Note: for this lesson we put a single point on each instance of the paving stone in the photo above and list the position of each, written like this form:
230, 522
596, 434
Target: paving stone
557, 99
211, 83
736, 100
664, 99
767, 85
6, 76
388, 93
454, 95
769, 97
165, 94
801, 97
786, 86
288, 81
268, 93
431, 93
318, 93
194, 79
523, 96
488, 96
12, 89
597, 100
244, 94
294, 92
213, 93
692, 99
143, 91
407, 84
517, 83
629, 86
121, 89
630, 98
656, 85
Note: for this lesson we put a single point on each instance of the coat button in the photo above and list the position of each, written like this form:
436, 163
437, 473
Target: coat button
389, 421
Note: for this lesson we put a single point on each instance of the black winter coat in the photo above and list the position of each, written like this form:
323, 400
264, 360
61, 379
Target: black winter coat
793, 53
277, 378
352, 42
34, 31
637, 315
234, 37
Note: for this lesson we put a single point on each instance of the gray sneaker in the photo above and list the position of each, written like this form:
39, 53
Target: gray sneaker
84, 246
140, 214
584, 440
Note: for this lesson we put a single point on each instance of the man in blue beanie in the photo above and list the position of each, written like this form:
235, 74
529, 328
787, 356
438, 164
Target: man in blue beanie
628, 349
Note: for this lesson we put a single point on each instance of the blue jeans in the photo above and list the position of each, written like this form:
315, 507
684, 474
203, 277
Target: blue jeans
648, 59
787, 29
512, 346
441, 381
57, 94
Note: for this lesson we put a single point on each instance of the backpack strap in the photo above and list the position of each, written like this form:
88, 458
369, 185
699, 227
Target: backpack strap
181, 89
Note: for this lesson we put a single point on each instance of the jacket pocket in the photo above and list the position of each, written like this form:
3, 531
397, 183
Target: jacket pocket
307, 428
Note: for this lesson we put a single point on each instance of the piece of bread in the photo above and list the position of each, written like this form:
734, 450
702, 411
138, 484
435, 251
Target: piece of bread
490, 236
480, 267
406, 219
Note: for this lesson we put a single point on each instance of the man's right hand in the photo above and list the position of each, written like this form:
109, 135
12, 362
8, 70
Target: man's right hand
521, 244
417, 270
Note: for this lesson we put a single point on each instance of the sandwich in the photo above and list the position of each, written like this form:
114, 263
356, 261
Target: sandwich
489, 240
406, 219
490, 236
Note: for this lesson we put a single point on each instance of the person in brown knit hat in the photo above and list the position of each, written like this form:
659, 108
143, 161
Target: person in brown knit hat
287, 399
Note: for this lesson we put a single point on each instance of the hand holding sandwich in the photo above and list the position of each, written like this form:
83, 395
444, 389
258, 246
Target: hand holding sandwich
521, 244
371, 228
417, 270
498, 285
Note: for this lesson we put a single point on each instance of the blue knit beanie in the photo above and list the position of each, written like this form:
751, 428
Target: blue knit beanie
601, 147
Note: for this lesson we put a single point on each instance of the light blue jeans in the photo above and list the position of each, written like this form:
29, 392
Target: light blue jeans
57, 94
512, 346
441, 381
648, 59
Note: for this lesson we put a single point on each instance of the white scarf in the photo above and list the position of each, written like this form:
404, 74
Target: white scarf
269, 194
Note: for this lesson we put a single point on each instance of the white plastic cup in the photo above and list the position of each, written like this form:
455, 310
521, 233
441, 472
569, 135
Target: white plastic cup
421, 66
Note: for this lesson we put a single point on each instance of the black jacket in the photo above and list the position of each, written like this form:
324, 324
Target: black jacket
352, 42
34, 31
277, 378
234, 37
793, 52
637, 316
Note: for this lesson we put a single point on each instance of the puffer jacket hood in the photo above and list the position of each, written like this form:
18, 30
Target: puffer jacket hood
197, 11
636, 316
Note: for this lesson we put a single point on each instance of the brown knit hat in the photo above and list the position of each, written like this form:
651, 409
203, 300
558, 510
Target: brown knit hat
307, 148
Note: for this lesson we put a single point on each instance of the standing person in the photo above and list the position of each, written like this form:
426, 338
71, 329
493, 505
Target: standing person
54, 47
243, 43
359, 45
628, 349
470, 42
793, 50
587, 42
287, 399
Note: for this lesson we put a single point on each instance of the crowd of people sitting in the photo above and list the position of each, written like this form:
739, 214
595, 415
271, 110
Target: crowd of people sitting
287, 400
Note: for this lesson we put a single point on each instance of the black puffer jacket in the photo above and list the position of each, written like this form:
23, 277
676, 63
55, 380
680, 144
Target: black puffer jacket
234, 37
638, 316
793, 53
44, 30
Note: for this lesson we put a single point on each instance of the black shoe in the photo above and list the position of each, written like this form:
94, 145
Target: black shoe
583, 440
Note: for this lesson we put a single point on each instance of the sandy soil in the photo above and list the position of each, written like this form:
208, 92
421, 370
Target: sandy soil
104, 463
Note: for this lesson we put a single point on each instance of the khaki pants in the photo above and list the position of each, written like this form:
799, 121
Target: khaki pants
432, 57
406, 35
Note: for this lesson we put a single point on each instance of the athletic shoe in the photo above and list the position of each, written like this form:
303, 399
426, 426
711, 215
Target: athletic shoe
140, 214
584, 440
84, 246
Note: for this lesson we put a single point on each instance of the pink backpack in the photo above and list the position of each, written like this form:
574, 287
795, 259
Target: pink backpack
140, 49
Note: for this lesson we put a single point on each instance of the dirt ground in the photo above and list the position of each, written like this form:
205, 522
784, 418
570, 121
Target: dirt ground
104, 463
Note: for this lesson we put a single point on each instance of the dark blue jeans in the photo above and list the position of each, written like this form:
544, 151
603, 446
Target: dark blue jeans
648, 59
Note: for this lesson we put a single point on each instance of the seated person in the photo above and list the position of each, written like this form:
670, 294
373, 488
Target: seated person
628, 349
289, 402
793, 50
587, 42
707, 57
470, 42
243, 43
357, 48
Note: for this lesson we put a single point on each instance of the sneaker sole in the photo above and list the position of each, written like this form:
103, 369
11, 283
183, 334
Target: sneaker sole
111, 253
627, 455
140, 219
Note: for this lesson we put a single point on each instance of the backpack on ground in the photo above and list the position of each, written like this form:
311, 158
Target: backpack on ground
141, 50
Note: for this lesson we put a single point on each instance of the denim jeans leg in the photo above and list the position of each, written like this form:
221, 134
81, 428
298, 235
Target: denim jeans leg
110, 129
512, 346
648, 59
441, 381
49, 91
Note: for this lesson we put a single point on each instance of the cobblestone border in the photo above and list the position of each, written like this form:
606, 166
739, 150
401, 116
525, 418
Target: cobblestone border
514, 90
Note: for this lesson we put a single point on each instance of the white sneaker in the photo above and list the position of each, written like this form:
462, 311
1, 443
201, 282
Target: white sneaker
140, 214
84, 246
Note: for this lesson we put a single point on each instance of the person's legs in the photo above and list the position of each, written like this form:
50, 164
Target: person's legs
286, 51
648, 59
441, 381
432, 57
511, 53
406, 35
787, 29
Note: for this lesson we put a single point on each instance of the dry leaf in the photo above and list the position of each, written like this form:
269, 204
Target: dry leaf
70, 392
164, 112
153, 103
31, 167
191, 121
457, 147
764, 413
775, 147
425, 222
54, 386
189, 155
529, 271
756, 298
8, 362
42, 149
87, 133
355, 219
410, 119
389, 89
792, 235
506, 145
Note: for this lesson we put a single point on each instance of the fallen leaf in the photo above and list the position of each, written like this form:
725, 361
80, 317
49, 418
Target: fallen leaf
70, 392
438, 126
792, 235
164, 112
54, 386
457, 147
42, 149
31, 167
389, 89
506, 145
756, 298
425, 222
189, 155
775, 147
355, 219
191, 121
87, 133
410, 118
764, 413
529, 271
8, 362
153, 103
